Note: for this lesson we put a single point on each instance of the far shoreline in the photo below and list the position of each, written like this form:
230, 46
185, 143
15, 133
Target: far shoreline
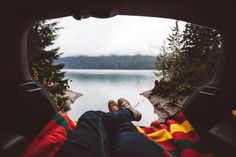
109, 69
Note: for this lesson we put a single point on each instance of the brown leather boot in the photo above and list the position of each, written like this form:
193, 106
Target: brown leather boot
125, 103
113, 106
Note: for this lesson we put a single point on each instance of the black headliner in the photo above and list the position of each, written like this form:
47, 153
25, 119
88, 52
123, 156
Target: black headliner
216, 14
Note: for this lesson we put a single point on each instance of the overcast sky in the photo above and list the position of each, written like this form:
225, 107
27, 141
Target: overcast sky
120, 35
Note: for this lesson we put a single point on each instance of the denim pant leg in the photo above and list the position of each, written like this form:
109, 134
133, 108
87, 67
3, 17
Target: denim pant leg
94, 134
130, 143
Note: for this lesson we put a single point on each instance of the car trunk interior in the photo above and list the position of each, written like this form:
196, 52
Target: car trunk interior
26, 107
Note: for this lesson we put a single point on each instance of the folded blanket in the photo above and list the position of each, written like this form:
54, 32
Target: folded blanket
176, 137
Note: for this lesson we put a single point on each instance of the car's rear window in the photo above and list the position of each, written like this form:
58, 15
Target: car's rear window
155, 63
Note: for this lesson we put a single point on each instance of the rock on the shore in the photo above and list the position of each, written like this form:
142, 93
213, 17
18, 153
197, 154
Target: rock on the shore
72, 96
165, 107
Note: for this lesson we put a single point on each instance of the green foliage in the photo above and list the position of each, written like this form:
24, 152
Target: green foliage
41, 62
162, 61
193, 57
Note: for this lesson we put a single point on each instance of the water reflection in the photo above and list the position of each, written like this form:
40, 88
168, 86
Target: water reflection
98, 86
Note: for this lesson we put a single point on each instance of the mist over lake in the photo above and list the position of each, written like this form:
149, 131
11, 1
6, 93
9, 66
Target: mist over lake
99, 86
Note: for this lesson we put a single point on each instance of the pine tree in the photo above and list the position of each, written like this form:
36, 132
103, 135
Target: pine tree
175, 39
174, 45
41, 62
198, 56
192, 58
162, 61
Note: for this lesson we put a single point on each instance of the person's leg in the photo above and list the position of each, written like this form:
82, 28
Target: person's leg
89, 139
93, 134
129, 142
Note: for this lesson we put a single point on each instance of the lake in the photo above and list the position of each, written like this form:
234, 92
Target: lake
99, 86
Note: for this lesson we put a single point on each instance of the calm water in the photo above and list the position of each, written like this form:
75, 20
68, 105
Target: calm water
98, 86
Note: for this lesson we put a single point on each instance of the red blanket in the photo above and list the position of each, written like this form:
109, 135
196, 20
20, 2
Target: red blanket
51, 138
176, 137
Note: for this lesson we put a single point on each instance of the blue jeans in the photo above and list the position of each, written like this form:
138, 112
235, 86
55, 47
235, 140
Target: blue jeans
111, 134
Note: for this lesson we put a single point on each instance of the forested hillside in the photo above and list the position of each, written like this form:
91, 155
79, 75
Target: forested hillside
108, 62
